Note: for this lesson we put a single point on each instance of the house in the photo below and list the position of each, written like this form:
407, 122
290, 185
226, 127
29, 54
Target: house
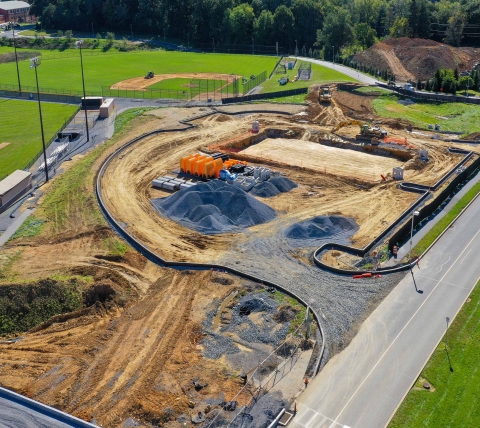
14, 11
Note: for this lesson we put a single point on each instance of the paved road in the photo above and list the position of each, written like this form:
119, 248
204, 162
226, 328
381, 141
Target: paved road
363, 385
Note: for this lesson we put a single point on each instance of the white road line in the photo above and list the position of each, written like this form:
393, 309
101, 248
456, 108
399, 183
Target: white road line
318, 413
443, 282
465, 257
402, 330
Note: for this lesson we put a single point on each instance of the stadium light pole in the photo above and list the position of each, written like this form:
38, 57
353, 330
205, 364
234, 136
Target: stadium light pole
34, 63
16, 60
333, 54
414, 214
79, 45
213, 41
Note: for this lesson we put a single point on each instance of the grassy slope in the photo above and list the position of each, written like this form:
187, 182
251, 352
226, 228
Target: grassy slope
457, 117
20, 126
105, 70
320, 74
455, 401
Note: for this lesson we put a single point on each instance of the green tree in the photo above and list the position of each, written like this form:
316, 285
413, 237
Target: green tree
60, 33
69, 35
308, 19
400, 28
241, 20
449, 84
337, 32
263, 28
364, 35
413, 18
456, 24
283, 22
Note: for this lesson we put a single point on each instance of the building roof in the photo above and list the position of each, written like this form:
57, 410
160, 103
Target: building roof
11, 5
12, 180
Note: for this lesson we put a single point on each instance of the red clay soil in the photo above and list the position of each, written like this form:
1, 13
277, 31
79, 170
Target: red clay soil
403, 56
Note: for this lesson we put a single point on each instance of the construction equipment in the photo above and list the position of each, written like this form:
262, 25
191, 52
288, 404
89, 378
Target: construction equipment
324, 95
372, 133
149, 75
346, 123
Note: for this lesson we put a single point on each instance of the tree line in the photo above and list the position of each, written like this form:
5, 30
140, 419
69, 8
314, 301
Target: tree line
332, 27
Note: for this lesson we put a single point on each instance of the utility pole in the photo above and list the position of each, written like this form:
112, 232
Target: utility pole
16, 61
34, 63
79, 45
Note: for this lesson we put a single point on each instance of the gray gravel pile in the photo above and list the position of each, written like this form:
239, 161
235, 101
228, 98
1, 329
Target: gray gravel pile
273, 187
217, 345
263, 412
214, 207
322, 227
268, 331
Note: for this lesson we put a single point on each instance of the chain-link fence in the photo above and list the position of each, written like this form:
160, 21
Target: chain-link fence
214, 89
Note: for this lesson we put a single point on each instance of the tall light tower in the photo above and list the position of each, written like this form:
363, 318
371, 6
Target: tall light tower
34, 63
16, 60
79, 45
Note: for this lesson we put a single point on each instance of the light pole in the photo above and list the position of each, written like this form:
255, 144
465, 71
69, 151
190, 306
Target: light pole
79, 45
296, 48
34, 63
415, 213
446, 332
253, 46
213, 42
16, 60
164, 35
333, 54
131, 30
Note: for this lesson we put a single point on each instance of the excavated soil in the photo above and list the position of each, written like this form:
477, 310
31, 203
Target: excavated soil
403, 56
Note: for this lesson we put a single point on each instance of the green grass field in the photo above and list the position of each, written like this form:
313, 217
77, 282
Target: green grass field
457, 117
320, 75
105, 70
455, 401
20, 126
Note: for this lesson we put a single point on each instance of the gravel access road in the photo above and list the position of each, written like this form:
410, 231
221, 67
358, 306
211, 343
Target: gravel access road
363, 386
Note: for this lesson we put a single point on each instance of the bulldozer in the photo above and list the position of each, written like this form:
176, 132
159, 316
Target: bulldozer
324, 95
373, 134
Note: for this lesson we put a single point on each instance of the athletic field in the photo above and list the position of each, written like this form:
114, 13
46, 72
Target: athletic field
20, 135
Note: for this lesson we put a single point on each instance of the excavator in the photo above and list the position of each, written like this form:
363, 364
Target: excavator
324, 95
371, 133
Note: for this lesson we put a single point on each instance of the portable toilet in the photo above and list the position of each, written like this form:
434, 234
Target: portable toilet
290, 65
397, 173
255, 126
437, 127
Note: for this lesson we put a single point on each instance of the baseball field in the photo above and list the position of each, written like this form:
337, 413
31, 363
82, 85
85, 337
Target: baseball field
20, 136
61, 71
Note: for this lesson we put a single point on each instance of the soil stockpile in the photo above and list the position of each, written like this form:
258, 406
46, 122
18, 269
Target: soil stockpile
273, 187
214, 207
322, 227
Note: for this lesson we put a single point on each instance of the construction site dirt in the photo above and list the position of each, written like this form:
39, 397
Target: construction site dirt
138, 354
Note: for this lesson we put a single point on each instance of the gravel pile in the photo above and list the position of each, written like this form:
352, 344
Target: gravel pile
322, 227
214, 207
263, 412
217, 345
266, 330
273, 187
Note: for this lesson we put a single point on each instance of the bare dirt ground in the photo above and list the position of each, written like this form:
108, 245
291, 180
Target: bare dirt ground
404, 55
140, 83
332, 160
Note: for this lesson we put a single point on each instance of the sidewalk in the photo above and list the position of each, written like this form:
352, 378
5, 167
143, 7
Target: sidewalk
14, 226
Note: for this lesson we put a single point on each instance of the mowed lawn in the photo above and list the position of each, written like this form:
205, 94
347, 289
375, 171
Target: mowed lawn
456, 117
107, 69
320, 75
455, 402
20, 126
184, 84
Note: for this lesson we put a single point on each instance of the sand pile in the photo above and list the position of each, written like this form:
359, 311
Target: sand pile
273, 187
214, 207
322, 227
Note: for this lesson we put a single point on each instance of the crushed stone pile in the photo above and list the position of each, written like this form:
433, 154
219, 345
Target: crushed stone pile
322, 227
273, 187
214, 207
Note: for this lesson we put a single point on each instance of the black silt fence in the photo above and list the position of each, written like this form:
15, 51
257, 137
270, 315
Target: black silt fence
265, 96
403, 232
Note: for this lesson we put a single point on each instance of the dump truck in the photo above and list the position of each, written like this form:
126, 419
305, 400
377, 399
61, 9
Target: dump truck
372, 133
149, 75
324, 95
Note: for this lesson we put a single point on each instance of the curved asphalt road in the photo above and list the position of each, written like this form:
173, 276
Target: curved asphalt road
363, 386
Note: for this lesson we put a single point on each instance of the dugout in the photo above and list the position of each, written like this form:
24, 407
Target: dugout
92, 103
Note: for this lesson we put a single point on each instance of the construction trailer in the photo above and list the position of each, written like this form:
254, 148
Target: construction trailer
13, 187
107, 108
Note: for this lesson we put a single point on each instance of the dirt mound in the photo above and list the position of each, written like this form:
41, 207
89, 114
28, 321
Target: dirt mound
273, 187
355, 105
324, 114
416, 58
214, 207
322, 227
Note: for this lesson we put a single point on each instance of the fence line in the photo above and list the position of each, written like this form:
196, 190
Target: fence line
253, 83
263, 96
